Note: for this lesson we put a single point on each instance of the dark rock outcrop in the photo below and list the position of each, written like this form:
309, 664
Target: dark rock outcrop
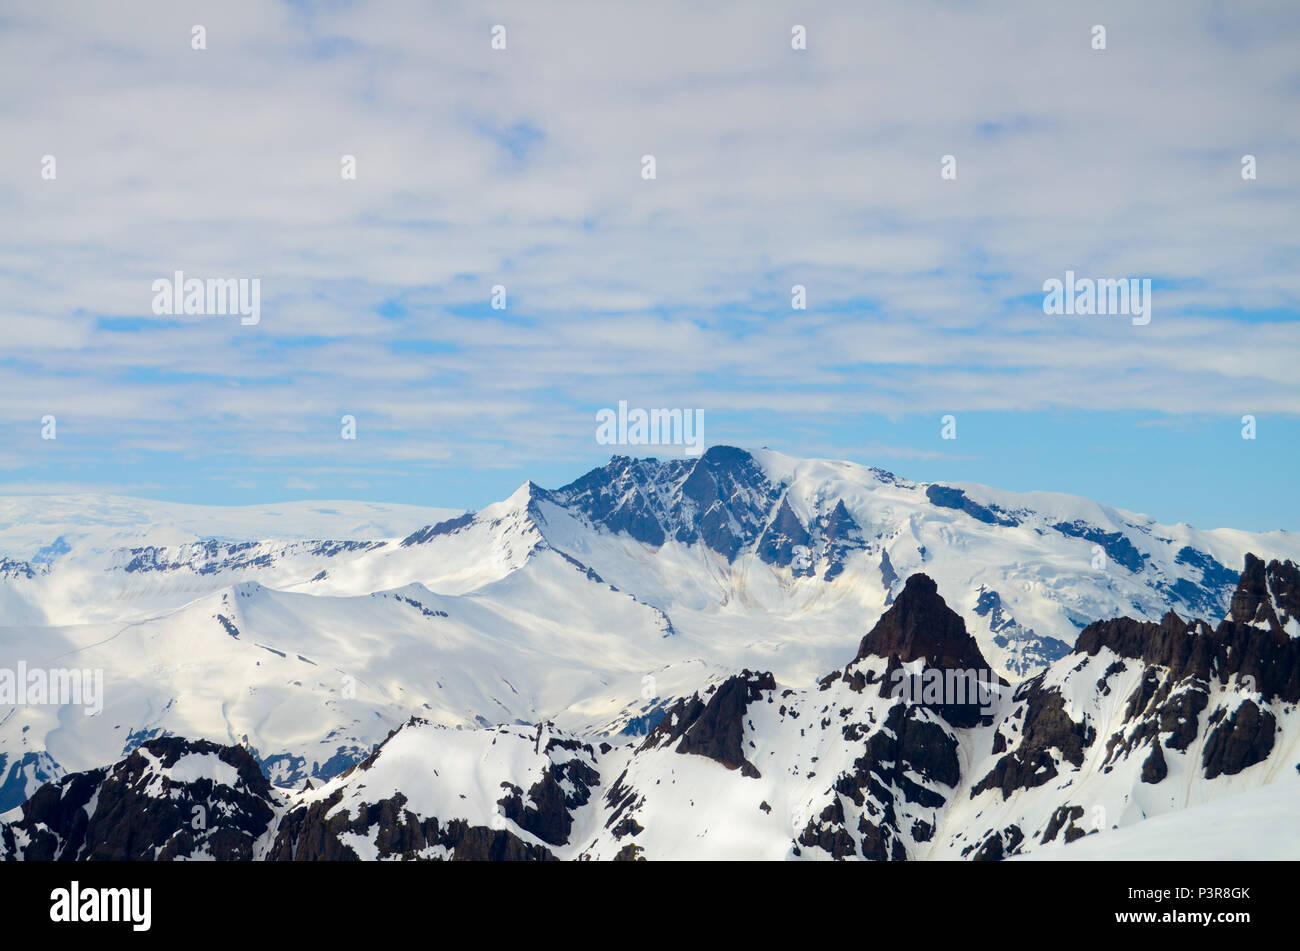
782, 535
314, 833
445, 527
714, 728
945, 496
1115, 544
919, 625
1242, 740
546, 812
1154, 770
1046, 732
1252, 643
135, 811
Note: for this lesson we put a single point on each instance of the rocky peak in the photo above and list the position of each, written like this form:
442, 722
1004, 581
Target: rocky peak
920, 625
713, 725
840, 525
1267, 595
723, 499
1252, 642
782, 536
140, 809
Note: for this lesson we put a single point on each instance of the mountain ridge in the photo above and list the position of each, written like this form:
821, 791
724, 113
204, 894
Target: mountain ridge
848, 768
548, 606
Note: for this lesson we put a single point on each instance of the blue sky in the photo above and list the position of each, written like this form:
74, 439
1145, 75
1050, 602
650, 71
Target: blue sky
522, 167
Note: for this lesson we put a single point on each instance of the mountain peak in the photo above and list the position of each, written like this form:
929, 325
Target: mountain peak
920, 625
1255, 641
723, 499
726, 455
1268, 595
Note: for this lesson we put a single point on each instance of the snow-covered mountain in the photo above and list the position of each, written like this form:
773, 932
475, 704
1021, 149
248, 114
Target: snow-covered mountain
594, 607
1143, 722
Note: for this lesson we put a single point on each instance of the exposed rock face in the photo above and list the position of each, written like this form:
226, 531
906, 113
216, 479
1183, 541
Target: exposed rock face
1203, 595
714, 728
729, 500
919, 625
1252, 643
211, 556
845, 769
782, 535
945, 496
1243, 739
141, 810
1116, 546
840, 534
721, 500
335, 826
903, 764
724, 501
1154, 770
888, 577
22, 777
12, 568
312, 834
1063, 819
1044, 727
1160, 704
1212, 695
999, 845
430, 532
546, 811
1267, 594
1031, 651
910, 744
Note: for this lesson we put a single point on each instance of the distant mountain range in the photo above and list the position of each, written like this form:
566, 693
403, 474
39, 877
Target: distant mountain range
662, 659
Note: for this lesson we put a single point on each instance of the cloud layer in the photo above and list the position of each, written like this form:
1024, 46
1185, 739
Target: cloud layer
522, 168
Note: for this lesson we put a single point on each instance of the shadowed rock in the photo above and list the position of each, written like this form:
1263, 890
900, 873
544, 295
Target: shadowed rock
716, 728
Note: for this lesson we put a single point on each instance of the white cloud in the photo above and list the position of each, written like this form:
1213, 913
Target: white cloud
775, 168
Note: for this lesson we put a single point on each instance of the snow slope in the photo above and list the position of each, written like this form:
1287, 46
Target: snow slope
308, 631
1149, 740
1259, 825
